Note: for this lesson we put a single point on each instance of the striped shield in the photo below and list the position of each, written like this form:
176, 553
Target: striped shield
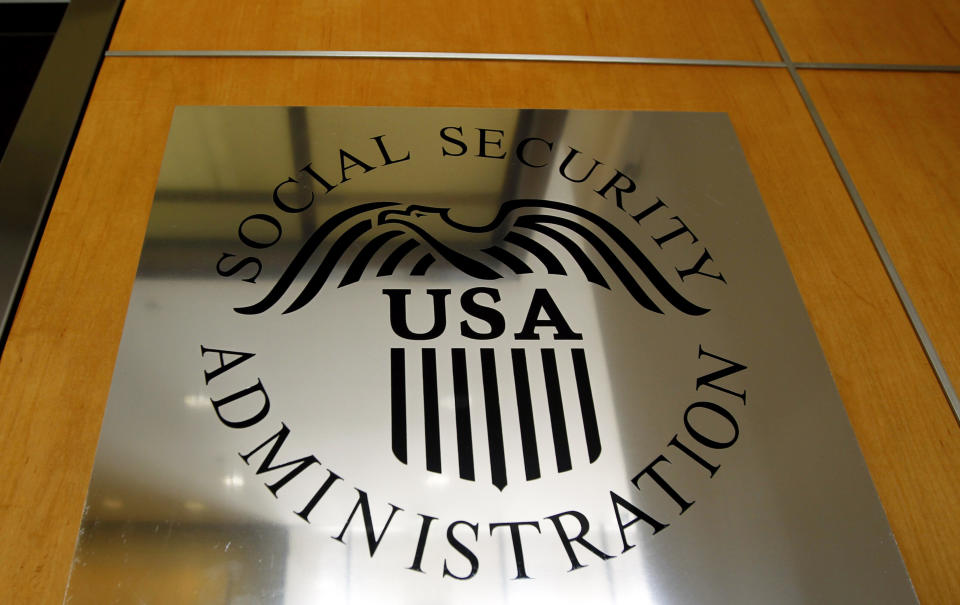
496, 410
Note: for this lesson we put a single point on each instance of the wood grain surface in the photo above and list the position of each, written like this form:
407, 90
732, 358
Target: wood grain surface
679, 28
869, 31
56, 369
899, 135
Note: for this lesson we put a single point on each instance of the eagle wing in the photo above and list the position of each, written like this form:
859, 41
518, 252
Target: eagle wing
360, 220
538, 227
584, 236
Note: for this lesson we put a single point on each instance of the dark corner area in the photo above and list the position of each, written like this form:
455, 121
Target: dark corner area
26, 31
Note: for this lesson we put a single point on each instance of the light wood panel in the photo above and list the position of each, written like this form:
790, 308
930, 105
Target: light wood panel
899, 134
56, 370
677, 28
869, 31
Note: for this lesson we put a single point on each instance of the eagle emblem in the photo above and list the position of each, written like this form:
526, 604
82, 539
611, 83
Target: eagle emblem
526, 236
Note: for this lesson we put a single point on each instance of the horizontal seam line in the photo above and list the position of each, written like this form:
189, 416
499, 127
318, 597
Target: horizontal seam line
362, 54
879, 66
477, 56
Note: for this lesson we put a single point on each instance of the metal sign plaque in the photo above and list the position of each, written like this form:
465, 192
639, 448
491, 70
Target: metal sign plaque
386, 355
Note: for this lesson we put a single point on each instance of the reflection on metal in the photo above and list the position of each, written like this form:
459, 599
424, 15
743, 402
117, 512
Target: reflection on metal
31, 165
471, 356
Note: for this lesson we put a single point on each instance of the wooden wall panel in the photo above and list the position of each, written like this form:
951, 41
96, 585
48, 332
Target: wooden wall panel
56, 370
899, 135
869, 31
678, 28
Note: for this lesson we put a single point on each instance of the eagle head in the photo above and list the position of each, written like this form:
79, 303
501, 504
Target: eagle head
425, 217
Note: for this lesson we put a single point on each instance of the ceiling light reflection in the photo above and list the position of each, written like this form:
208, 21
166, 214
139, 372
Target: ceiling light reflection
195, 401
436, 480
233, 480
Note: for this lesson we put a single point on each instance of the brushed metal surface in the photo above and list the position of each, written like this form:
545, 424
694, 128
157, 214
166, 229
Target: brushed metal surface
625, 403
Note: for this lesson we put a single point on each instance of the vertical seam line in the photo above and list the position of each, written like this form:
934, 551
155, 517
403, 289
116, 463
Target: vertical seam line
866, 219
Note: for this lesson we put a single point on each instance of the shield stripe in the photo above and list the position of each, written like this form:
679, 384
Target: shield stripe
398, 404
491, 399
431, 410
493, 412
587, 409
461, 398
558, 424
528, 436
